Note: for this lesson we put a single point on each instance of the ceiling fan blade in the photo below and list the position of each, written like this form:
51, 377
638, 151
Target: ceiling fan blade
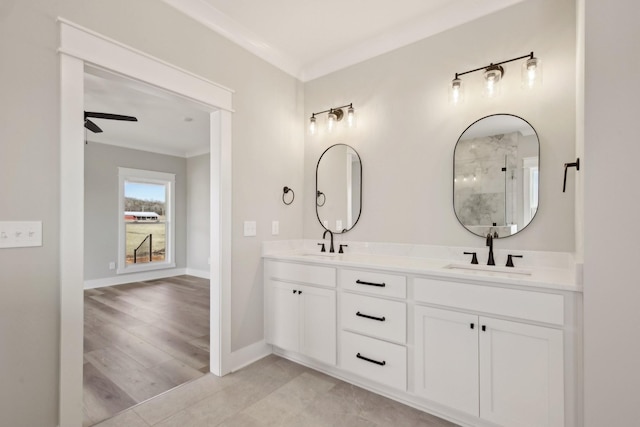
110, 116
92, 126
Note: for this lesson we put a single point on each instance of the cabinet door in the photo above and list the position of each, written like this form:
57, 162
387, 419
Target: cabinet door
521, 374
283, 316
318, 323
446, 358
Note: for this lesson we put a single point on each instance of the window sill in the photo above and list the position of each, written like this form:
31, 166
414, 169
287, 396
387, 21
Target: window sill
145, 267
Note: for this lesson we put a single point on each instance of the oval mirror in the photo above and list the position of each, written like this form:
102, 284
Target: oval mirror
339, 188
495, 175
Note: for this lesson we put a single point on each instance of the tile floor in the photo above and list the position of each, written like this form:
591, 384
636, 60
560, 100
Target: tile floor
271, 392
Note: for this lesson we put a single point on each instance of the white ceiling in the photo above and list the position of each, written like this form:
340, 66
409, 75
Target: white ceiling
161, 125
308, 39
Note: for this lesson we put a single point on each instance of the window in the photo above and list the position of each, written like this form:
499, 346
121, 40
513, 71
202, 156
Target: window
146, 220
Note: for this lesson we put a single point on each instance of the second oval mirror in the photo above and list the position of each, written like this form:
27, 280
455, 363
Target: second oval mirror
339, 188
495, 168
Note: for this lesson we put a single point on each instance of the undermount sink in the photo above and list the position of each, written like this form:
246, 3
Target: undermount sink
489, 269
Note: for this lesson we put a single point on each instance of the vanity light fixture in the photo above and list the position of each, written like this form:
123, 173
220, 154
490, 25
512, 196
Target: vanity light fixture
493, 74
334, 115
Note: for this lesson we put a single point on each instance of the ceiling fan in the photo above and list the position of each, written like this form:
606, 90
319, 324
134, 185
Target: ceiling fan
95, 128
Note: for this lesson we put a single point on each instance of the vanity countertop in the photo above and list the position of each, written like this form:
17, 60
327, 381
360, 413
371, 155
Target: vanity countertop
532, 277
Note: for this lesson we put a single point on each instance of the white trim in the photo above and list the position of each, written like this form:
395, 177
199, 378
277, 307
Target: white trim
101, 51
150, 148
249, 354
168, 180
71, 240
203, 274
80, 48
134, 277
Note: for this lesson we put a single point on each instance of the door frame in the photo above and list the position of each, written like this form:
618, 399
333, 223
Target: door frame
80, 47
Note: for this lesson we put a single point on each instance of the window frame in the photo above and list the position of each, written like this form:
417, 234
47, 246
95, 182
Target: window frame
146, 177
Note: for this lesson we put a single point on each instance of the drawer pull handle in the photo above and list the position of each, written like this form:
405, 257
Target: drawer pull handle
360, 282
379, 319
371, 360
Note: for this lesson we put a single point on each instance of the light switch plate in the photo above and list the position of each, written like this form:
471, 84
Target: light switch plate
250, 228
20, 234
275, 228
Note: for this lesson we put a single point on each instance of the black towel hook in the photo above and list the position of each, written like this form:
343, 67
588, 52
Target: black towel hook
576, 165
286, 190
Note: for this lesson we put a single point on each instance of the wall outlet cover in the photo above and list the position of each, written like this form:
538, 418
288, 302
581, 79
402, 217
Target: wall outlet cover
250, 228
275, 228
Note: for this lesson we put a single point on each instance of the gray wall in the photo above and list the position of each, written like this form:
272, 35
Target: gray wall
407, 130
101, 203
267, 155
610, 168
198, 196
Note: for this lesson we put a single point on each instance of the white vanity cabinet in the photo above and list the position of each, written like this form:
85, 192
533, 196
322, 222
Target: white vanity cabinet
301, 317
373, 323
479, 350
507, 372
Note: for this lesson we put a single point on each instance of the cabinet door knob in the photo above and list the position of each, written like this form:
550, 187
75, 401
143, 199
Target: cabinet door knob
472, 325
294, 291
484, 328
299, 292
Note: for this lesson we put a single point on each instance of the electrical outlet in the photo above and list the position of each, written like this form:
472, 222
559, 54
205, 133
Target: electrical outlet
112, 265
338, 225
250, 228
275, 228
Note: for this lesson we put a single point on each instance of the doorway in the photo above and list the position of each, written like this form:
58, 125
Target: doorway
80, 48
146, 186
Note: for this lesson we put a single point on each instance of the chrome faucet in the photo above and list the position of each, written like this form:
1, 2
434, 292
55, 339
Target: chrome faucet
331, 250
490, 244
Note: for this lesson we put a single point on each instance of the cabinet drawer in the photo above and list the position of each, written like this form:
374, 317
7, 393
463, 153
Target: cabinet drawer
536, 306
377, 317
374, 283
311, 274
375, 360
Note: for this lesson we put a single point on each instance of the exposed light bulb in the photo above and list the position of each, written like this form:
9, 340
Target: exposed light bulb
312, 125
351, 117
456, 91
531, 73
331, 123
492, 76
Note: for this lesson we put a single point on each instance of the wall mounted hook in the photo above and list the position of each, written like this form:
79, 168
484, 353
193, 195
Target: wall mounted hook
286, 191
576, 165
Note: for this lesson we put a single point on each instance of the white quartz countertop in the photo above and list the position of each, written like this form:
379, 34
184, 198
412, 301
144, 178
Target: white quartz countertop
533, 277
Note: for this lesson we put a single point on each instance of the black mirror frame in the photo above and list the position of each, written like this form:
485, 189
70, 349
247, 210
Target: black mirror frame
453, 193
317, 192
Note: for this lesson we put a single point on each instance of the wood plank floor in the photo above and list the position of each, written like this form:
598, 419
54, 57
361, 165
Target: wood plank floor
142, 339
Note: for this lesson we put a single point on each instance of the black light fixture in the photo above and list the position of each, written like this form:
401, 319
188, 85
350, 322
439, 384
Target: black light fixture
334, 115
493, 73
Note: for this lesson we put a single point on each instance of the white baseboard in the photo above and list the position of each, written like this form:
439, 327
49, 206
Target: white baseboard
249, 354
133, 277
203, 274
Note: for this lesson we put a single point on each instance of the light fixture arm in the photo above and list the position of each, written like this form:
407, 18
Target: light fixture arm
530, 56
334, 110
